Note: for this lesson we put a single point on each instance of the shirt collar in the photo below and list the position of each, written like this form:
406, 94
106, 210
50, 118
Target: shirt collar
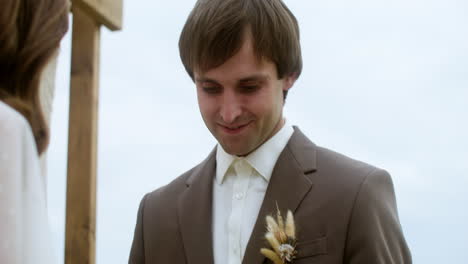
263, 159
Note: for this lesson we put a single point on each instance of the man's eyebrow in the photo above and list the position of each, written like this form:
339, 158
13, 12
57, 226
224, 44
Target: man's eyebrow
255, 77
203, 79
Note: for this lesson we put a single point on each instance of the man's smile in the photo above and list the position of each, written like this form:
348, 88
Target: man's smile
234, 129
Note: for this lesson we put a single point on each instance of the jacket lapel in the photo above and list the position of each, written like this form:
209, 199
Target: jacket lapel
195, 213
287, 188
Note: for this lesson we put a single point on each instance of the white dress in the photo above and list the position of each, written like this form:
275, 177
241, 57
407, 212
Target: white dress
25, 236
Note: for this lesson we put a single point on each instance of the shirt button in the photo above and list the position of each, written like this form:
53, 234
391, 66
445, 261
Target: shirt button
239, 196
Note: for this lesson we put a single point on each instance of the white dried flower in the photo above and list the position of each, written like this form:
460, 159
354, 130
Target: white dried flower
281, 235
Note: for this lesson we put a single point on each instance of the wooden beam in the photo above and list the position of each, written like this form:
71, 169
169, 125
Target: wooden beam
106, 12
82, 140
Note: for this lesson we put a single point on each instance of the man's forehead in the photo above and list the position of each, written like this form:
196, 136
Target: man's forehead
244, 65
245, 54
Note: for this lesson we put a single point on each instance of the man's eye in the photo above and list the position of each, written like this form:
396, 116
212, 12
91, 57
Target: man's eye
249, 88
211, 89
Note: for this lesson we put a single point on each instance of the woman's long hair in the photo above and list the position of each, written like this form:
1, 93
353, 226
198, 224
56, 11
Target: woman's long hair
30, 33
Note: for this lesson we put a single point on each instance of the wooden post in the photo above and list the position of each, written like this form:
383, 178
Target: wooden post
82, 140
88, 16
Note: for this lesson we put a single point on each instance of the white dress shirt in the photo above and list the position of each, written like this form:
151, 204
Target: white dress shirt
238, 192
24, 228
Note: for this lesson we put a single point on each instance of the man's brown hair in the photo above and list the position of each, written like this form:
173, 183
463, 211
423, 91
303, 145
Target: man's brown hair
215, 29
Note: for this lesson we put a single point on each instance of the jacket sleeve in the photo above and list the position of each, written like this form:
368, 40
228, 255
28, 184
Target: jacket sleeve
137, 252
374, 231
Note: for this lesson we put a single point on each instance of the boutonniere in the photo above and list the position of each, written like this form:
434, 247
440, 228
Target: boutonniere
281, 235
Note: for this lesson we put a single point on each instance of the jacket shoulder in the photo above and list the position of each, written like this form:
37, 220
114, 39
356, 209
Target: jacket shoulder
326, 162
329, 161
173, 189
157, 223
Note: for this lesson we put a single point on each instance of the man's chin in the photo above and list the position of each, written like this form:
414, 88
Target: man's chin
236, 150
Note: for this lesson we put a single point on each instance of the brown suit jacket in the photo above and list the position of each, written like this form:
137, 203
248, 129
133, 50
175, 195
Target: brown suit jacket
345, 212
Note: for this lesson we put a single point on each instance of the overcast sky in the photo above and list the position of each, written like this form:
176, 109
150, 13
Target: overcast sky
384, 81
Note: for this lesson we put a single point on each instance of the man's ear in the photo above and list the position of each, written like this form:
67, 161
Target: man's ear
289, 81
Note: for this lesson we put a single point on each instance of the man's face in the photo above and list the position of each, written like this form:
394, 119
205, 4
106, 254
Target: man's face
241, 101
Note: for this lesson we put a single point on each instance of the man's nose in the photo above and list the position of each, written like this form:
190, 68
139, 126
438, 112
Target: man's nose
231, 107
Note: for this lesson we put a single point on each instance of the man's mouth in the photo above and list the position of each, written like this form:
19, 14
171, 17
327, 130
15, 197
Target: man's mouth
234, 129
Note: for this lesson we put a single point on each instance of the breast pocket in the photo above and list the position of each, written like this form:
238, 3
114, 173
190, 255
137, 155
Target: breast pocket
311, 248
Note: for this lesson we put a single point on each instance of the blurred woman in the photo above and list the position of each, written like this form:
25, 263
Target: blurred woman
30, 34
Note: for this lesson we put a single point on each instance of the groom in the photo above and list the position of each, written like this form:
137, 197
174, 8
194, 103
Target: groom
244, 56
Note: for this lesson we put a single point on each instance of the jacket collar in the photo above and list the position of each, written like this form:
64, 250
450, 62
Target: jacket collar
195, 213
288, 185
